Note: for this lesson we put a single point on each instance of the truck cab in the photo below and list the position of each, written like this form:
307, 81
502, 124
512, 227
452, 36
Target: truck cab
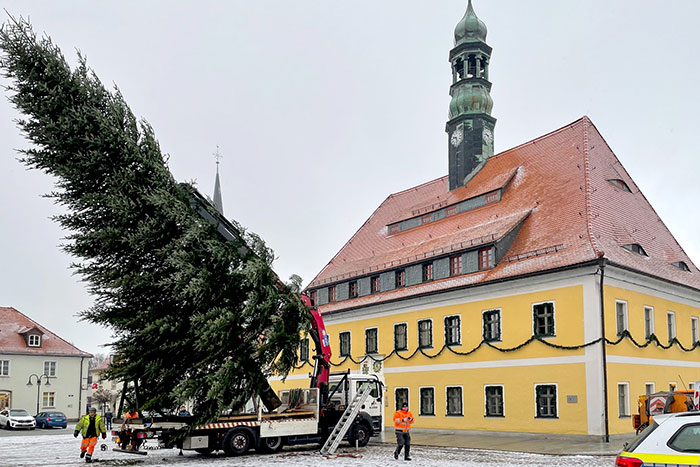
343, 387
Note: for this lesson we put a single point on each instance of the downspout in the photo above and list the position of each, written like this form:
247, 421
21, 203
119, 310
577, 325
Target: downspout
601, 266
80, 388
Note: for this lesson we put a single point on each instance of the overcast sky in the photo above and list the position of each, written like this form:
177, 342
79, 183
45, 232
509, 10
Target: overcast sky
323, 108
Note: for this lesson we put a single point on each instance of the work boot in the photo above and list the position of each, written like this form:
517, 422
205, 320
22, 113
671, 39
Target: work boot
396, 455
407, 458
82, 454
88, 458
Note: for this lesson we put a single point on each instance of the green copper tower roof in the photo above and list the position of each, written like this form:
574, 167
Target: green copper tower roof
470, 59
470, 28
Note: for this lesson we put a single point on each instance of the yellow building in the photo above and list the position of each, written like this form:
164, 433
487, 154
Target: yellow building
483, 296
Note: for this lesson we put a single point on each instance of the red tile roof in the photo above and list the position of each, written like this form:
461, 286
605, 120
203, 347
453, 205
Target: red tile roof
559, 185
102, 366
13, 324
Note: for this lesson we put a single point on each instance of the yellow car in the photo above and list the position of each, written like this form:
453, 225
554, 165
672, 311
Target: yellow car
670, 440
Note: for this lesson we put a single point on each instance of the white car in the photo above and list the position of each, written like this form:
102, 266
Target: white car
16, 418
671, 439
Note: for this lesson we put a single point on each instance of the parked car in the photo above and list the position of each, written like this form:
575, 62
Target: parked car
16, 418
671, 439
51, 419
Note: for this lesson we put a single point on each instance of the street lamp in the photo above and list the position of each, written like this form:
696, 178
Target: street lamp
38, 386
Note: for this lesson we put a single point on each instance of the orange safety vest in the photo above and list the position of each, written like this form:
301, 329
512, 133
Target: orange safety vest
403, 420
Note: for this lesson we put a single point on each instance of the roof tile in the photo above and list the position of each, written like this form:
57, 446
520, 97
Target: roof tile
559, 185
13, 322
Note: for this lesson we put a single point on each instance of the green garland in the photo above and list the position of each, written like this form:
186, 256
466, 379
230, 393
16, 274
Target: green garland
624, 335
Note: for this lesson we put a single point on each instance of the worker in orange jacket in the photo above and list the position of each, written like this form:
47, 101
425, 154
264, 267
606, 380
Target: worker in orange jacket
403, 419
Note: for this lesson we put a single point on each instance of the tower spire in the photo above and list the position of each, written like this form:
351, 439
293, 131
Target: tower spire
218, 203
470, 125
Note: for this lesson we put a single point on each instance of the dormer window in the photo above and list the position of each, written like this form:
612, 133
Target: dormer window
34, 340
635, 248
618, 183
681, 265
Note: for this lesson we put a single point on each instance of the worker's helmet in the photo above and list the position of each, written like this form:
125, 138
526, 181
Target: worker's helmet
93, 410
405, 404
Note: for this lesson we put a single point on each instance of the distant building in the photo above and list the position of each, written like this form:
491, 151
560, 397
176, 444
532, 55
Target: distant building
99, 382
484, 296
31, 354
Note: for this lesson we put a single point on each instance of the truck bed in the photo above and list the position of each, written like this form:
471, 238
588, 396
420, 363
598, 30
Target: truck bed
251, 419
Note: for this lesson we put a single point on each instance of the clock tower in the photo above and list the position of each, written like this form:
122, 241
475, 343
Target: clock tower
470, 125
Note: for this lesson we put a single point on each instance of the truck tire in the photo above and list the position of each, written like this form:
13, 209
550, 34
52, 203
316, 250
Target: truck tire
359, 433
238, 441
271, 445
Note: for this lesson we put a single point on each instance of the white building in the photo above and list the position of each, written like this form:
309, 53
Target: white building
98, 382
39, 370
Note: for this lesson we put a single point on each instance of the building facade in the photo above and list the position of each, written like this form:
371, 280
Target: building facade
535, 290
38, 370
103, 393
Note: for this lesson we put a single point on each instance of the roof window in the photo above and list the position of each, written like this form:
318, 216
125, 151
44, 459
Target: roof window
620, 184
681, 265
635, 248
34, 340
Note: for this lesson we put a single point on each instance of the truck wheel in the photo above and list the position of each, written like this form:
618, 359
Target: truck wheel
237, 442
271, 445
359, 433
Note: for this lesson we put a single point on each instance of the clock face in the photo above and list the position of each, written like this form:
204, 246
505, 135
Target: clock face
457, 137
487, 136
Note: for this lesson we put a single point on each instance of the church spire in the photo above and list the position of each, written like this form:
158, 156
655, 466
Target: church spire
470, 125
218, 203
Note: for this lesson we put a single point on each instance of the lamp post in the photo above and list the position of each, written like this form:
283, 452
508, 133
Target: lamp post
38, 386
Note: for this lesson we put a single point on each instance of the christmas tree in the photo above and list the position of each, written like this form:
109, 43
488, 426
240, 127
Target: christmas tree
195, 317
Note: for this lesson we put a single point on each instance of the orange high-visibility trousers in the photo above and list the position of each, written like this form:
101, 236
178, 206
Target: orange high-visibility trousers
88, 445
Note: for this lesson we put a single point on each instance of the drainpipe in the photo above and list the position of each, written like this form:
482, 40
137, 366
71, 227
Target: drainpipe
601, 266
80, 388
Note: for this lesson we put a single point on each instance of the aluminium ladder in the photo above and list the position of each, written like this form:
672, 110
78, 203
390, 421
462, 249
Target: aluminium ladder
346, 421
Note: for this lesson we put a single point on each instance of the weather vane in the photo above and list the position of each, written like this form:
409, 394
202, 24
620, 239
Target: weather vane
217, 156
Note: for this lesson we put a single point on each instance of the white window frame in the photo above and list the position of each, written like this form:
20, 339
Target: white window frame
444, 328
46, 397
340, 344
691, 385
623, 412
4, 364
625, 319
461, 392
651, 321
432, 333
556, 400
554, 318
377, 350
675, 385
653, 387
503, 392
394, 336
671, 325
408, 392
500, 324
34, 340
420, 401
51, 374
694, 329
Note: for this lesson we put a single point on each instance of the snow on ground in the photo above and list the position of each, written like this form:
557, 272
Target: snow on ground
63, 450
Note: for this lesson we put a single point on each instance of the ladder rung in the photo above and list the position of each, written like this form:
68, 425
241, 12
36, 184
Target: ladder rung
346, 420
